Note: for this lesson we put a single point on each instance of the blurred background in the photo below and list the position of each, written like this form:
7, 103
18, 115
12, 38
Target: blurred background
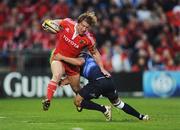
139, 41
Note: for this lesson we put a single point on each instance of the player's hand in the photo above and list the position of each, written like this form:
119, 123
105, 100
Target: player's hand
106, 73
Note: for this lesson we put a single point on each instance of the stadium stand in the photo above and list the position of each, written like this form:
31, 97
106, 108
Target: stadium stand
132, 35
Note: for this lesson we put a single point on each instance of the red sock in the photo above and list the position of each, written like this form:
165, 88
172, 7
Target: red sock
51, 89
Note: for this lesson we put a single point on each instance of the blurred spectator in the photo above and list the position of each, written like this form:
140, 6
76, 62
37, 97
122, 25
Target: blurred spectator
133, 35
140, 65
106, 55
60, 9
174, 16
120, 61
155, 62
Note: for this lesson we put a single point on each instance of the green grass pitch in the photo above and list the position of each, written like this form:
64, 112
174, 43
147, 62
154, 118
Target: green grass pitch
27, 114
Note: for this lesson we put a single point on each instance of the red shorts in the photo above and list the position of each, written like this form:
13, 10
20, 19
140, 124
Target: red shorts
69, 69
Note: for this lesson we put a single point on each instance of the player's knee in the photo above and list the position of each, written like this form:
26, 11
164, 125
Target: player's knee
114, 101
56, 77
113, 98
118, 103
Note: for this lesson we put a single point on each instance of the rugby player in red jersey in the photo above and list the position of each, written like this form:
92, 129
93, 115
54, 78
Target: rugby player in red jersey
72, 38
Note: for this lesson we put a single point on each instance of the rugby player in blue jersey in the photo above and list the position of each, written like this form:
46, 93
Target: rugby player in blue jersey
99, 84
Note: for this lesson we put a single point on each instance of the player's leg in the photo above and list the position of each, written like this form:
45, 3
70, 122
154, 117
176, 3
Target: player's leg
75, 85
87, 93
57, 70
110, 92
75, 82
126, 107
88, 104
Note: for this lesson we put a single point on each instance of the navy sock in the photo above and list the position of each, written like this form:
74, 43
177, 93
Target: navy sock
92, 106
128, 109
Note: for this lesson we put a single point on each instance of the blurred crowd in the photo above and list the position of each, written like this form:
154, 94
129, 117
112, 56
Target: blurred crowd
132, 35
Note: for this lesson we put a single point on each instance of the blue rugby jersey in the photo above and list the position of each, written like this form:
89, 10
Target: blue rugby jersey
90, 70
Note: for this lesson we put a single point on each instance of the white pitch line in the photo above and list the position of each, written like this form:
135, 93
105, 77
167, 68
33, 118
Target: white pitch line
35, 116
77, 128
41, 123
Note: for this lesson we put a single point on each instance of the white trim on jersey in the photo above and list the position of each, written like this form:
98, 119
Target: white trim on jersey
90, 38
75, 32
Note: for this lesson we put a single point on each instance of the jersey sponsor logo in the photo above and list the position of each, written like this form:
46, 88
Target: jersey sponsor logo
71, 42
81, 41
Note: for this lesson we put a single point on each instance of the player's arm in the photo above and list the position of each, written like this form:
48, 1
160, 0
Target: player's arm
74, 61
96, 55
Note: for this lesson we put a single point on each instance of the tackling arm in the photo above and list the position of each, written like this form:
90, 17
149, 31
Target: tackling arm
74, 61
96, 55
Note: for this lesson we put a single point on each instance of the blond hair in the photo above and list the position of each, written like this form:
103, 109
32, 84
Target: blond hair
89, 17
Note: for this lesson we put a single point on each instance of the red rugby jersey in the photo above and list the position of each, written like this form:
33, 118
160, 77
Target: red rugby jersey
70, 44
